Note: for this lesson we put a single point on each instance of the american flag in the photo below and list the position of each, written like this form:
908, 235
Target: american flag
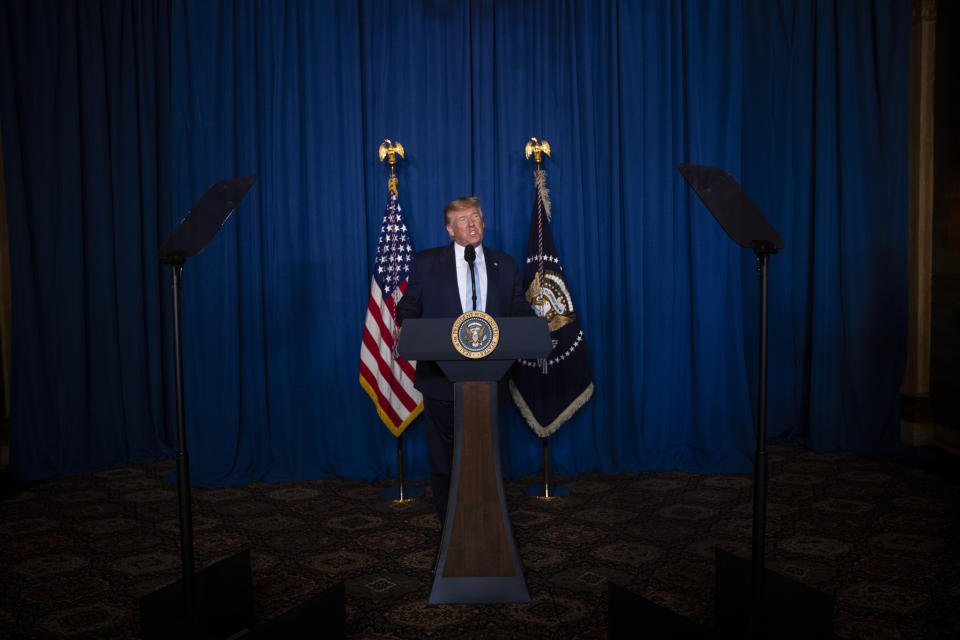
386, 377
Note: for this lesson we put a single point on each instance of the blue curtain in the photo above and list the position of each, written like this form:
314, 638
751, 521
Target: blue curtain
804, 103
86, 144
825, 154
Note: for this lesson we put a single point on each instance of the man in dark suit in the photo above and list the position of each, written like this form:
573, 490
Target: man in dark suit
439, 286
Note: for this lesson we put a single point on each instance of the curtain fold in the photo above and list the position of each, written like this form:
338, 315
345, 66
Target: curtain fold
86, 129
120, 117
825, 148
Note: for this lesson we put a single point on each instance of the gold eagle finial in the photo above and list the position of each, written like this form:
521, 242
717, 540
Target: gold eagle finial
536, 147
390, 151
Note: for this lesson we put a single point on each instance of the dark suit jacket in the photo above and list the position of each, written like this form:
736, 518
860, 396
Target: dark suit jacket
432, 292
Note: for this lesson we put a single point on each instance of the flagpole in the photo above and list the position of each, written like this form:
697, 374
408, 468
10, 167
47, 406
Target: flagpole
400, 493
545, 491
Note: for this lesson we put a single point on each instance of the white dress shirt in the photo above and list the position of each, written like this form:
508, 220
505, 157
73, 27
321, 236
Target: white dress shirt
463, 278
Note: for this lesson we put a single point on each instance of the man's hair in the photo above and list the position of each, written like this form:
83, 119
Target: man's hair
460, 204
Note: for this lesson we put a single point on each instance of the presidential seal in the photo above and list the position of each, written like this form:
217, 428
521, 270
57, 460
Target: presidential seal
551, 299
475, 334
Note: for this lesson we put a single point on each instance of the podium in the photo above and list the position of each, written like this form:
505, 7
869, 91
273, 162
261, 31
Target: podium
478, 561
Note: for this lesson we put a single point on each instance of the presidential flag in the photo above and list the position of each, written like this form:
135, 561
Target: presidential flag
549, 391
386, 377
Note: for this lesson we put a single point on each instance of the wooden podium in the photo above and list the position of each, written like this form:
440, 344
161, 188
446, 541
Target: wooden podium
478, 562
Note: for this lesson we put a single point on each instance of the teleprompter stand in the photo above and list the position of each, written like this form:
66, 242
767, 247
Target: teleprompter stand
217, 602
752, 601
478, 560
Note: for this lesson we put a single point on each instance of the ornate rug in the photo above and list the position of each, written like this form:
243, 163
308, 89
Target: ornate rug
882, 537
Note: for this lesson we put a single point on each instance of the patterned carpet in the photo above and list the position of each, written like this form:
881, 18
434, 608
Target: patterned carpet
76, 554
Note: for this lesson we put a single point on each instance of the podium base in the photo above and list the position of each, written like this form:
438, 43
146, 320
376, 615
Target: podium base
224, 597
479, 590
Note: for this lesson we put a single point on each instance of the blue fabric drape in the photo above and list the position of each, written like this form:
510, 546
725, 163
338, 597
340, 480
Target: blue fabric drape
824, 146
273, 308
86, 142
802, 102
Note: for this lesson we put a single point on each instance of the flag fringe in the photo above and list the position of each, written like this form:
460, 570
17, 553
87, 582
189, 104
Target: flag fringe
540, 178
397, 431
567, 413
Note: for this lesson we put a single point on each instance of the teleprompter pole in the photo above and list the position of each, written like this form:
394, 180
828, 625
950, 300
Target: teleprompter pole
217, 601
183, 460
751, 600
758, 564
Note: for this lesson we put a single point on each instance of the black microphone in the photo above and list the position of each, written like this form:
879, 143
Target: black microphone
470, 254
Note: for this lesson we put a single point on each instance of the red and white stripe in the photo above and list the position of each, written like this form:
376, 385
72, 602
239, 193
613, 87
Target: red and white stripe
387, 378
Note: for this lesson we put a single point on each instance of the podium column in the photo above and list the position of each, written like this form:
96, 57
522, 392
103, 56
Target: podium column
478, 562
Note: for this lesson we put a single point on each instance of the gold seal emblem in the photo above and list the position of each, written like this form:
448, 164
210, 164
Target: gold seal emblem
475, 334
551, 299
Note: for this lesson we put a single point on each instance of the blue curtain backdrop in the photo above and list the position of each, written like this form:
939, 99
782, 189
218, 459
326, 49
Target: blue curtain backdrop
86, 147
825, 154
119, 117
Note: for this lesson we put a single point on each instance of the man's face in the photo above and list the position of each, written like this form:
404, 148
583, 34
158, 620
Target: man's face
466, 226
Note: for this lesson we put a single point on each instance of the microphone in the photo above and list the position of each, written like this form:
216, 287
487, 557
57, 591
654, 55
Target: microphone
470, 254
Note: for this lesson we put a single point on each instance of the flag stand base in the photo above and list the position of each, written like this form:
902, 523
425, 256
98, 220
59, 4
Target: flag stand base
545, 490
401, 492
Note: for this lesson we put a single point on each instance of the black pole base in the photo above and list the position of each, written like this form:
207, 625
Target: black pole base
10, 483
224, 604
630, 616
789, 609
322, 616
